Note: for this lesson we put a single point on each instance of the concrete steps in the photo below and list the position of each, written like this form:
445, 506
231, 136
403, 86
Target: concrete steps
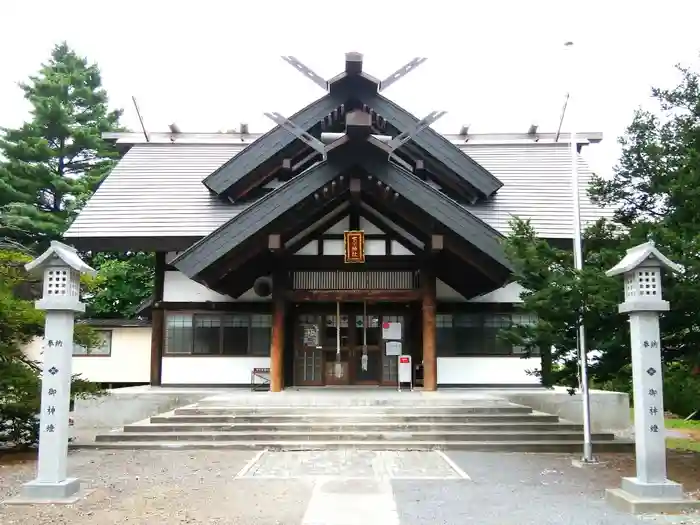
564, 447
497, 426
176, 427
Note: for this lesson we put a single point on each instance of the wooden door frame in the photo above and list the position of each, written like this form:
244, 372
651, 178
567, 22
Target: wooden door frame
352, 345
299, 347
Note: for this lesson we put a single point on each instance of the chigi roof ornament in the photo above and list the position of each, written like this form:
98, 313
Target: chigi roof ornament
353, 66
356, 125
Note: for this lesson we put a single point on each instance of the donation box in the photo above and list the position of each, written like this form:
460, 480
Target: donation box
405, 369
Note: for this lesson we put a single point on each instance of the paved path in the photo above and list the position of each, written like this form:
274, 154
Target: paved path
329, 488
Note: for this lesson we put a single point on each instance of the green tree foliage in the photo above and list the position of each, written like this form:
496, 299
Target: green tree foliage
560, 296
655, 193
50, 166
54, 162
123, 282
20, 383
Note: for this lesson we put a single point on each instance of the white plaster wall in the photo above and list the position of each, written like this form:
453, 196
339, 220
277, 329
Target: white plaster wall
509, 293
369, 227
340, 226
486, 370
210, 370
129, 362
178, 288
308, 249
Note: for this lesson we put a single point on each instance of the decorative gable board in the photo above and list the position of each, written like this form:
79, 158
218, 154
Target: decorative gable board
372, 246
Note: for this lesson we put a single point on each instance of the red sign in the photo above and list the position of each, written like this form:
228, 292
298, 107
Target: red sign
385, 326
354, 246
403, 359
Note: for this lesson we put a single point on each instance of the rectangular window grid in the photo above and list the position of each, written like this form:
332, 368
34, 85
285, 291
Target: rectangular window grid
218, 334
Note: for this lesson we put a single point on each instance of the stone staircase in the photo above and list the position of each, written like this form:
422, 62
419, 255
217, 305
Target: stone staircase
402, 423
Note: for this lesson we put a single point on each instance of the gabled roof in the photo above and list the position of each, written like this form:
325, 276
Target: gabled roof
351, 89
643, 255
269, 144
59, 254
445, 210
430, 141
156, 192
270, 207
258, 218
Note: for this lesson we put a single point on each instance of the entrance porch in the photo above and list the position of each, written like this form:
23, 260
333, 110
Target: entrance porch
341, 344
323, 343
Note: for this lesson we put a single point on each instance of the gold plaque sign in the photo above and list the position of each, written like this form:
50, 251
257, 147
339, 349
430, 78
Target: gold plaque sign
354, 246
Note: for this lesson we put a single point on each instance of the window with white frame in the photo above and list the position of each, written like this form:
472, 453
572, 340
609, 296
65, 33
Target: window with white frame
104, 349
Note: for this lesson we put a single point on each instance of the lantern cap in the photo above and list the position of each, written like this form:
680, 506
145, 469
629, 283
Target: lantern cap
643, 255
62, 253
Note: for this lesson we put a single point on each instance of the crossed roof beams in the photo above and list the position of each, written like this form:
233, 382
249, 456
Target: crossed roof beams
356, 88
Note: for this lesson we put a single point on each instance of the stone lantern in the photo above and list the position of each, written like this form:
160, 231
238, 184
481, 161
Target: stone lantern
650, 490
60, 267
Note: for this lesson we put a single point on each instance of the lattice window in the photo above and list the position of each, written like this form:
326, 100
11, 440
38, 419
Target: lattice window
61, 282
642, 284
647, 282
57, 282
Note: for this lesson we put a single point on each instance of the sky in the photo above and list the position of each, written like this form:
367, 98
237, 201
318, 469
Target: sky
498, 66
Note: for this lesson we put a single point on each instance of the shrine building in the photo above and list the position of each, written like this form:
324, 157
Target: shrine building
346, 236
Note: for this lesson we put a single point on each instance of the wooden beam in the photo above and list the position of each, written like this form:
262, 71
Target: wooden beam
358, 124
211, 306
235, 259
354, 220
158, 321
391, 231
310, 219
405, 214
354, 295
473, 257
240, 280
257, 181
445, 178
429, 330
277, 341
297, 219
335, 262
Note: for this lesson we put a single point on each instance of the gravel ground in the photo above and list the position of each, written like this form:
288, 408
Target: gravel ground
161, 487
515, 489
175, 487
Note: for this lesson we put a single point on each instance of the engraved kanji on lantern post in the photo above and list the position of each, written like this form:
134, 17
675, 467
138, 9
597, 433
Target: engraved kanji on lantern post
641, 269
60, 267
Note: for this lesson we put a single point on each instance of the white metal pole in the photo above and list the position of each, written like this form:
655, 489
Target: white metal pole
578, 263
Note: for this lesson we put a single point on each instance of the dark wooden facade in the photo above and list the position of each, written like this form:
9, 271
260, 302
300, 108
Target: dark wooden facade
354, 177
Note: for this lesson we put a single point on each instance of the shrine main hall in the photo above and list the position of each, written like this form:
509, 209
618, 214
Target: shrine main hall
324, 250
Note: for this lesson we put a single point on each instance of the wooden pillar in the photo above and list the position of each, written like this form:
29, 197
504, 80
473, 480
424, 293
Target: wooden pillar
158, 320
428, 306
277, 343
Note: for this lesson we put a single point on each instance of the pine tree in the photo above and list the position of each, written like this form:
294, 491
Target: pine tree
655, 193
54, 162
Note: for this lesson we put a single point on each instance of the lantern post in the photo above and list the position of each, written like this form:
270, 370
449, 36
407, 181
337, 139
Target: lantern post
61, 268
650, 490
